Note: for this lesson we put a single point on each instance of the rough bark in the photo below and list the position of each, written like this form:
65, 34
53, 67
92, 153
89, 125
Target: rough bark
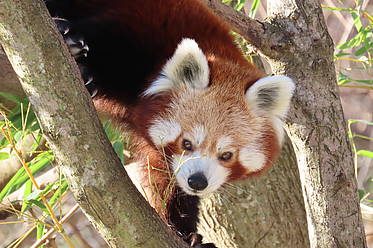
8, 80
51, 81
317, 127
299, 46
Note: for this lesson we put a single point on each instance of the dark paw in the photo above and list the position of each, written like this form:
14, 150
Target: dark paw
77, 46
195, 240
208, 245
79, 50
91, 87
63, 25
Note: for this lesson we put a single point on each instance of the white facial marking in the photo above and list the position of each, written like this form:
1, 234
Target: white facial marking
279, 129
187, 165
223, 143
198, 134
252, 158
187, 66
164, 131
271, 94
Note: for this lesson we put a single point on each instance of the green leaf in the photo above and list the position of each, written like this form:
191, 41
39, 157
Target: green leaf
343, 79
357, 22
34, 195
40, 231
26, 193
9, 187
36, 165
239, 5
45, 191
351, 43
118, 148
364, 81
4, 155
351, 121
365, 153
361, 193
61, 189
254, 7
362, 50
338, 55
40, 205
110, 131
336, 9
38, 137
11, 97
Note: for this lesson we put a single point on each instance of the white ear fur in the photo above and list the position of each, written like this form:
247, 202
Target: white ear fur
271, 94
187, 66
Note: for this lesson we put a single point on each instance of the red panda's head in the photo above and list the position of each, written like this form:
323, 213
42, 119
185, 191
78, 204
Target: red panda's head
224, 121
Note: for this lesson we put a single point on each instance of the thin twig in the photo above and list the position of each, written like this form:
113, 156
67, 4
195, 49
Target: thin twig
32, 178
356, 86
52, 230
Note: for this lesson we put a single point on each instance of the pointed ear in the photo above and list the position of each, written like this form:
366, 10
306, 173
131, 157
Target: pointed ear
188, 66
271, 94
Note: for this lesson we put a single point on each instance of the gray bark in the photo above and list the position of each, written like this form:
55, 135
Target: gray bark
317, 127
8, 80
51, 80
296, 42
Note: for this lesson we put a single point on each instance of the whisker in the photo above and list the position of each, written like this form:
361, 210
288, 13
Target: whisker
233, 186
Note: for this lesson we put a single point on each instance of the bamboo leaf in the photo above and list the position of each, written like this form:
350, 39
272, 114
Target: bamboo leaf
11, 97
40, 205
355, 41
36, 165
337, 9
56, 196
361, 50
239, 5
34, 195
365, 153
361, 193
357, 22
40, 232
118, 148
4, 155
26, 193
254, 7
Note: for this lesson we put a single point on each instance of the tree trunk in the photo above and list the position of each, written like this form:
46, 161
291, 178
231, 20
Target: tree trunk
317, 127
8, 81
296, 42
67, 116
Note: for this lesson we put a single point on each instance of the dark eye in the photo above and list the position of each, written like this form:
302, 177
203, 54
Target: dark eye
225, 156
187, 145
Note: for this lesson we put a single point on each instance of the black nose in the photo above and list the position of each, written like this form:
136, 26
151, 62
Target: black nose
197, 181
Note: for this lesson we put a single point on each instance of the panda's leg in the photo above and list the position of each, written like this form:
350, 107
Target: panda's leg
79, 49
183, 218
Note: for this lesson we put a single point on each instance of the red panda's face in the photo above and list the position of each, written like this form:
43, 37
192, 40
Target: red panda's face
216, 129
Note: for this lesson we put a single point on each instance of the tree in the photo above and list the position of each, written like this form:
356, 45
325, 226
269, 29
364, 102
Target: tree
98, 181
298, 46
296, 43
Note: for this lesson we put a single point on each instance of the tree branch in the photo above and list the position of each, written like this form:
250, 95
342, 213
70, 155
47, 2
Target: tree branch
51, 80
296, 43
262, 35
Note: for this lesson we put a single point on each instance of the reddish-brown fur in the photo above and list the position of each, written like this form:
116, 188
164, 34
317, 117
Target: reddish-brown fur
158, 26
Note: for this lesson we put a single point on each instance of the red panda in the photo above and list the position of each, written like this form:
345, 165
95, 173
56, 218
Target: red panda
194, 108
